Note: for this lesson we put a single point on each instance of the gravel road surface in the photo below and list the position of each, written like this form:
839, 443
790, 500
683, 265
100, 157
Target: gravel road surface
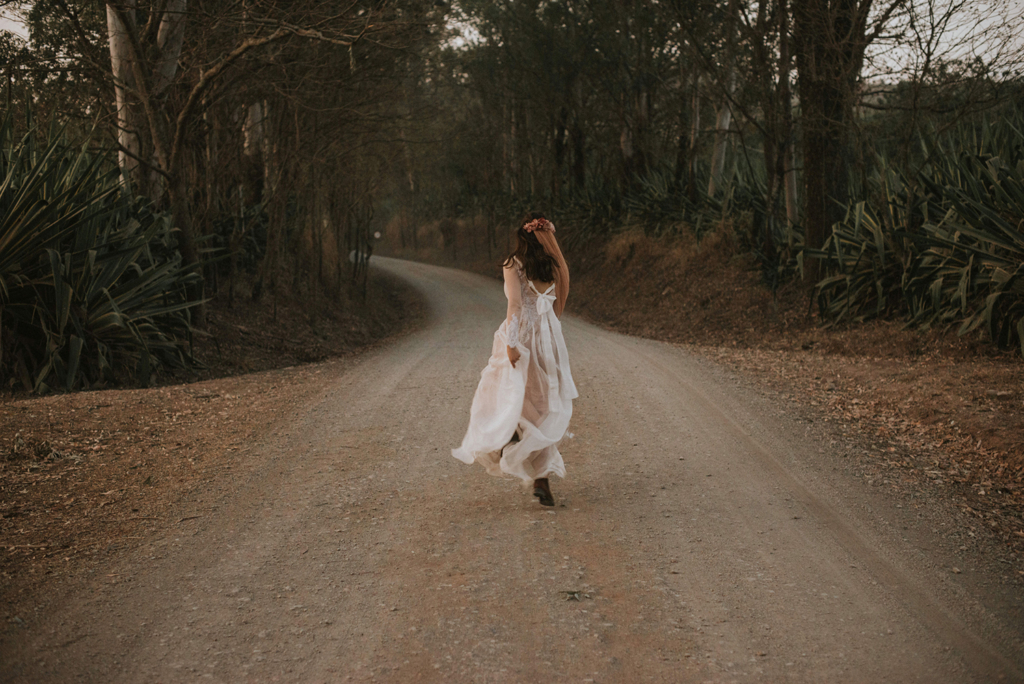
702, 535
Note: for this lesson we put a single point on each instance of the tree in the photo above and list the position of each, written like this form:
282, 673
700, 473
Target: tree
830, 38
152, 127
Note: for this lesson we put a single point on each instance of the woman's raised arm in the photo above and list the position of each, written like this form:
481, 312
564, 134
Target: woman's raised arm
547, 240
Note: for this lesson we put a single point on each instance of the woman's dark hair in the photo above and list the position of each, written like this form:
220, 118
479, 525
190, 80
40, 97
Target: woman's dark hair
537, 263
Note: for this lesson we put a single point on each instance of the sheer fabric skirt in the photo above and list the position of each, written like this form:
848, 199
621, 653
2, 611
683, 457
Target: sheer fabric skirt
534, 399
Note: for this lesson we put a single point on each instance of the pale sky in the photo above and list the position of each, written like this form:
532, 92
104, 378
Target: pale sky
11, 25
1010, 10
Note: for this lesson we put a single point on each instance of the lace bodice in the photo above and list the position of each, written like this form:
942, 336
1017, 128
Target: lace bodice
526, 304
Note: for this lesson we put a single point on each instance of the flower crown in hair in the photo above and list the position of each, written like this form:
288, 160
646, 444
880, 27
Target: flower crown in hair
539, 224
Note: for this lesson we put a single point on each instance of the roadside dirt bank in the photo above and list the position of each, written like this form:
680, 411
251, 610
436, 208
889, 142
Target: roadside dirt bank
85, 477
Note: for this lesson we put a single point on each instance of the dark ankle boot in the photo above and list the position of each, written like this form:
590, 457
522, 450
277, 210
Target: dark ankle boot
542, 490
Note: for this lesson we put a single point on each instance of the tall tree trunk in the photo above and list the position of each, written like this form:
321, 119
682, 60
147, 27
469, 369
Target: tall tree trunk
786, 118
506, 181
643, 130
273, 191
578, 138
579, 156
410, 166
513, 161
531, 158
410, 170
130, 122
627, 150
142, 75
140, 89
686, 105
723, 119
560, 147
723, 122
178, 194
169, 39
634, 139
829, 56
691, 182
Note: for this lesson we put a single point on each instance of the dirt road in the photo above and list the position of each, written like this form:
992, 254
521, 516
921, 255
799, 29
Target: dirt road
701, 535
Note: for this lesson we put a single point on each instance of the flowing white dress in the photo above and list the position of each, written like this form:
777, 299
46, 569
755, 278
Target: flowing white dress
533, 399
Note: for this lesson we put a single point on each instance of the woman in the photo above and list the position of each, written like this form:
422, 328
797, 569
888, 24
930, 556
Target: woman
523, 403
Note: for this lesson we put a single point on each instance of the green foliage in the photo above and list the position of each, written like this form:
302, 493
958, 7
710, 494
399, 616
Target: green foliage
592, 210
948, 249
92, 288
662, 206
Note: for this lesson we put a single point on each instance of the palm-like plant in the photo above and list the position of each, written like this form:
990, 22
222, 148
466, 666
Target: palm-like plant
92, 288
951, 253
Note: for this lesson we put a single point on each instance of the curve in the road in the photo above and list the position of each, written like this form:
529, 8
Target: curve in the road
702, 534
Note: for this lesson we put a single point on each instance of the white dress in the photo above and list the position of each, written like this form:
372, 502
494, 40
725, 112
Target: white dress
534, 398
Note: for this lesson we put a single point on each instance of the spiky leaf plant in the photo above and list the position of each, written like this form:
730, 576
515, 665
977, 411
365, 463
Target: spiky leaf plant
950, 252
92, 288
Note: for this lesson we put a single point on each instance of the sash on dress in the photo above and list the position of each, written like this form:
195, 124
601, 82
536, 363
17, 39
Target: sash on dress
545, 302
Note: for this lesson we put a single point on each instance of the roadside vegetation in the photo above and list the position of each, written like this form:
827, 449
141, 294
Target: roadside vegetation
92, 287
186, 183
885, 182
169, 165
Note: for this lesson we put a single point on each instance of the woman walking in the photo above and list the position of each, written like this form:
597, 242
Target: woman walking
523, 404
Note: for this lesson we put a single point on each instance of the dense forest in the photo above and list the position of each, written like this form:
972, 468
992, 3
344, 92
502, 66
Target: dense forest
160, 156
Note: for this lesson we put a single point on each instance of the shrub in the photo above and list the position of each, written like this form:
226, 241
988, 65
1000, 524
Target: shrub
92, 287
947, 249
